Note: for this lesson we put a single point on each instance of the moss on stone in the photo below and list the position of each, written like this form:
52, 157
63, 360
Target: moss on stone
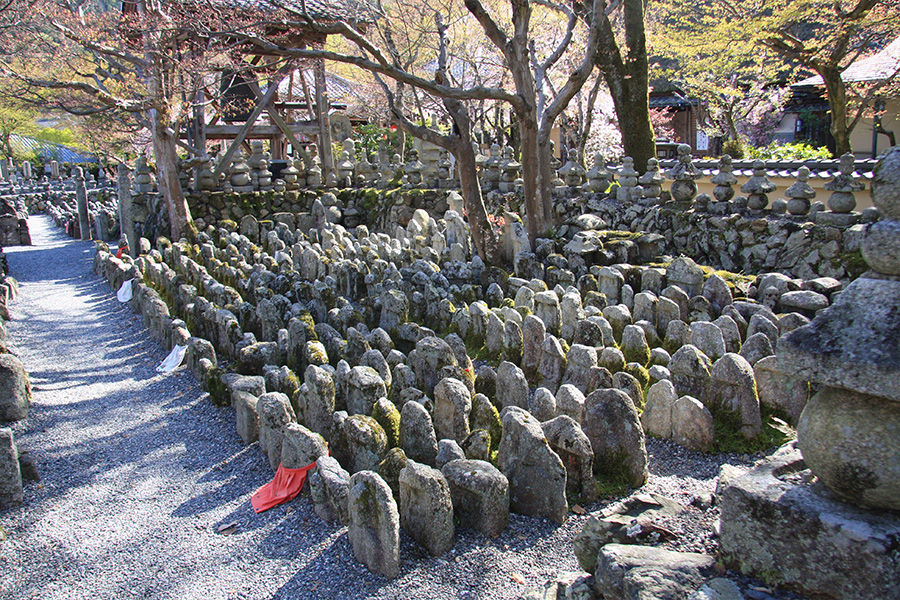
612, 474
390, 468
853, 263
639, 355
219, 394
484, 416
727, 438
640, 373
389, 419
309, 326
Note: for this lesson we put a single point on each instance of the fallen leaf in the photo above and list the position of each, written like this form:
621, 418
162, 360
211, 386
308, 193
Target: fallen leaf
2, 534
651, 527
578, 510
518, 578
227, 528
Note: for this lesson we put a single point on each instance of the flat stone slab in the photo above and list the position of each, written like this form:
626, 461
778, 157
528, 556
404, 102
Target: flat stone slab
853, 344
780, 524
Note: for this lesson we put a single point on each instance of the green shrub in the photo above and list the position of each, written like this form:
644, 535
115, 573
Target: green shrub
795, 151
734, 148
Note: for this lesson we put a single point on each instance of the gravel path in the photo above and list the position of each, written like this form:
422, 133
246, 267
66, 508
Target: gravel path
140, 471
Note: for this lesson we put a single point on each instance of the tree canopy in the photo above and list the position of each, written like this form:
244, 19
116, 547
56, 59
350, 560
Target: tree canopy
728, 52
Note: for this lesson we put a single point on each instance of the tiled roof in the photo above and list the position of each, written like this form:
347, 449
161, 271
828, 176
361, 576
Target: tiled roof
672, 101
320, 10
336, 86
49, 150
818, 169
877, 67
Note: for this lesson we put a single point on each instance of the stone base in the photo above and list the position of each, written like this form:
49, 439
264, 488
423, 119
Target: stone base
834, 219
783, 526
719, 208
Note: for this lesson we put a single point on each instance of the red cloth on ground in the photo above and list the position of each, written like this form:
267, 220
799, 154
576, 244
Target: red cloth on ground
286, 484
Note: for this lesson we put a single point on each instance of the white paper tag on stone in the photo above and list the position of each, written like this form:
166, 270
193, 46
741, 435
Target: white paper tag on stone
125, 292
171, 362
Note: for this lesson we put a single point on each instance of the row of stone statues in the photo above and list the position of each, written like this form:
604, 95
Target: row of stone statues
500, 173
25, 173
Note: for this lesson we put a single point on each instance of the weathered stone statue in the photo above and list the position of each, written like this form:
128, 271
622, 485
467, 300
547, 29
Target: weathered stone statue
800, 193
758, 187
651, 183
628, 178
572, 172
684, 174
842, 201
599, 177
724, 180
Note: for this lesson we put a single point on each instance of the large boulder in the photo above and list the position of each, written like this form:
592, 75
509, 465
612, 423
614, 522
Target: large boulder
358, 442
512, 387
426, 509
480, 495
657, 416
628, 572
851, 441
374, 529
318, 400
10, 473
329, 487
691, 372
732, 390
573, 447
824, 548
364, 387
275, 413
301, 447
612, 424
537, 477
245, 416
780, 390
417, 435
692, 424
15, 389
428, 359
617, 525
452, 405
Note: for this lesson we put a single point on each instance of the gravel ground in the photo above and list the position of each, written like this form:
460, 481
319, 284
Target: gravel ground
139, 471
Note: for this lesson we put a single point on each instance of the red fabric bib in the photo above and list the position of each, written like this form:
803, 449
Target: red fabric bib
285, 486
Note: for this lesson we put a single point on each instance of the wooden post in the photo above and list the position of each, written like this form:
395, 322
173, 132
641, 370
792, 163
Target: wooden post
84, 219
322, 107
126, 218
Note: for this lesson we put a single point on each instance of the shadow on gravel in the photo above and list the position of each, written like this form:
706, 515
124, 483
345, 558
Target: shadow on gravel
231, 473
44, 263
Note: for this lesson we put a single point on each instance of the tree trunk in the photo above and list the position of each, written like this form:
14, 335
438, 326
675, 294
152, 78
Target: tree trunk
460, 145
626, 73
459, 142
536, 177
631, 99
166, 156
482, 233
836, 92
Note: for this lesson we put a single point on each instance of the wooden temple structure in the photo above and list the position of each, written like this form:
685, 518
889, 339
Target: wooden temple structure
285, 104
